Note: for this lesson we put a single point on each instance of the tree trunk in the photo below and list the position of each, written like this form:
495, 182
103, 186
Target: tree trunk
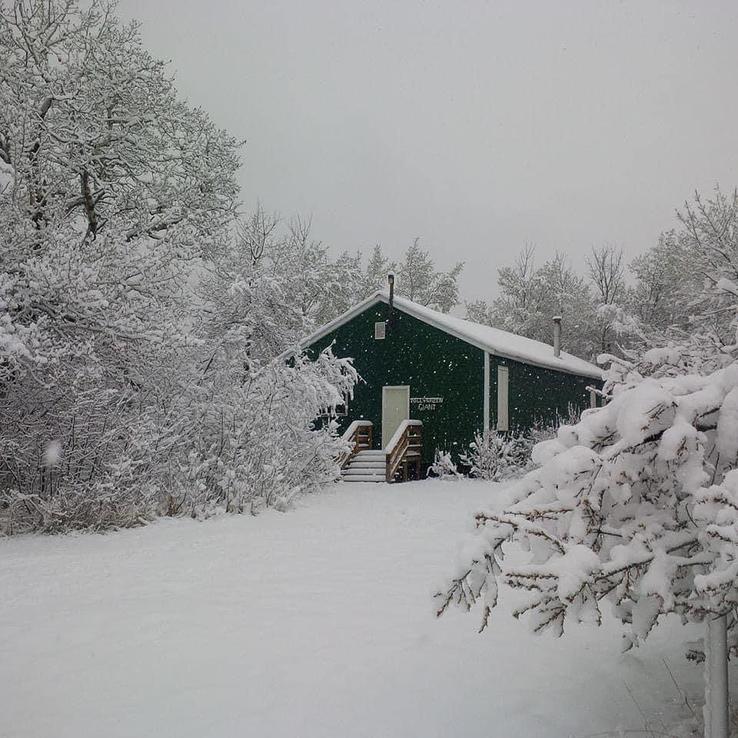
716, 712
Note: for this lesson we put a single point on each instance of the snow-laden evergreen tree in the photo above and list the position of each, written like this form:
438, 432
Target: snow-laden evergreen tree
418, 279
342, 282
625, 505
374, 277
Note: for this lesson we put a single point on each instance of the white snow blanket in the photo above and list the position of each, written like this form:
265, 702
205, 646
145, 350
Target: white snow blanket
316, 623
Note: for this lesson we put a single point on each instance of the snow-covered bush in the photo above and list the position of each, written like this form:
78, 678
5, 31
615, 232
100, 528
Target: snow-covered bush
443, 466
496, 456
256, 442
219, 444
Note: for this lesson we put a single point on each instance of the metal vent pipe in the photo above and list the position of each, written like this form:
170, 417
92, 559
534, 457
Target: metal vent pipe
557, 335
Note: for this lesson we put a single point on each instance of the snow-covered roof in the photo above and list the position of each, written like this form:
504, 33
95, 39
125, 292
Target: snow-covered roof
485, 337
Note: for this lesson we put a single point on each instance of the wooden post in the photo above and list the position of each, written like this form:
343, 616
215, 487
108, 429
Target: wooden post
716, 710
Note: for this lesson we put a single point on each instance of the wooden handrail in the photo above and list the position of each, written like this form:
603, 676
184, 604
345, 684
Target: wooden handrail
406, 445
359, 435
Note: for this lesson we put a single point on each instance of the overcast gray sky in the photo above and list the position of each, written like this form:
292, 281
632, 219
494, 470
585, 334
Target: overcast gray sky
478, 126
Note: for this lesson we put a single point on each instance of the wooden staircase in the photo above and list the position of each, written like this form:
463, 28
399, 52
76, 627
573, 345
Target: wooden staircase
392, 464
366, 466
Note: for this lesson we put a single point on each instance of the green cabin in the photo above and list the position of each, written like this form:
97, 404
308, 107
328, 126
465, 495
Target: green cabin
439, 379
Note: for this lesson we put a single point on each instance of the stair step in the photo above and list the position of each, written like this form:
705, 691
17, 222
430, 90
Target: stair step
364, 472
368, 464
363, 478
370, 455
367, 467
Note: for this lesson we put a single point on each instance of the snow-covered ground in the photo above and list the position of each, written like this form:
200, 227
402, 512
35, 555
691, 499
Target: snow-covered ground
314, 623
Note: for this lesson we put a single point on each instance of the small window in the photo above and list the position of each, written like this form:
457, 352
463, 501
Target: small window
380, 330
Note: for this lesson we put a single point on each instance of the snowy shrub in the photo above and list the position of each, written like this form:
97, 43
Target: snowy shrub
496, 456
232, 445
257, 443
98, 474
443, 466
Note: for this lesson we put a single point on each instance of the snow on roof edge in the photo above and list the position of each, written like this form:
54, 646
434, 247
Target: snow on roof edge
486, 338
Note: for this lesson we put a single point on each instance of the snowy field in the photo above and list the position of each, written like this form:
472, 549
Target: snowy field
315, 623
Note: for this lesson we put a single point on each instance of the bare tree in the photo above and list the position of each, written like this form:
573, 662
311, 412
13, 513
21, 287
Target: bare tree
257, 232
606, 269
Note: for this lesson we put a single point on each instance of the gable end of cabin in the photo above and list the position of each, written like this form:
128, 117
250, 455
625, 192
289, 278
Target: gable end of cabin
443, 376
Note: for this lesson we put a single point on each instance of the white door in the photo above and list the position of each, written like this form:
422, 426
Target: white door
395, 409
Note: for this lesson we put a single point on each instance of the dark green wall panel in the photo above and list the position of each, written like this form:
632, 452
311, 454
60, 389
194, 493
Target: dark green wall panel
537, 395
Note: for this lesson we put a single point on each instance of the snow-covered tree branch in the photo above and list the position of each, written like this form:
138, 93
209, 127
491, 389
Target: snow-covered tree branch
632, 505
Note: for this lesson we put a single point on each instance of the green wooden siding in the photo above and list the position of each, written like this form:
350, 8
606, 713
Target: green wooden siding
434, 365
437, 365
537, 395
